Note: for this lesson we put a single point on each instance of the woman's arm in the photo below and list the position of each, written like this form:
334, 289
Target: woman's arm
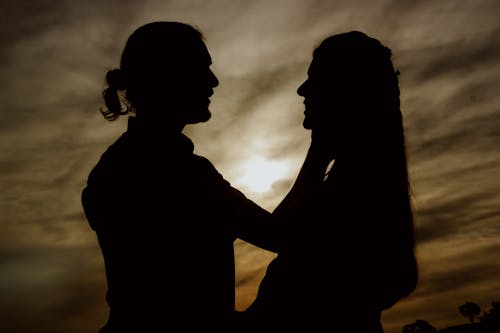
310, 177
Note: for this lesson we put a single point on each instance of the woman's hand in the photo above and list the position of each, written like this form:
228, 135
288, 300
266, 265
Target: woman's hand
322, 148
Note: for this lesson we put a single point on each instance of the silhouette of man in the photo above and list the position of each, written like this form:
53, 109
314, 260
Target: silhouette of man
348, 249
165, 218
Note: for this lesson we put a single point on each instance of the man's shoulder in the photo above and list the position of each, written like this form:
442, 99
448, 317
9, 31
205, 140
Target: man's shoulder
204, 164
110, 158
207, 170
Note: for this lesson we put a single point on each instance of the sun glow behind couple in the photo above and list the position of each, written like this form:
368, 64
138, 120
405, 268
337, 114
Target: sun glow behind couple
259, 174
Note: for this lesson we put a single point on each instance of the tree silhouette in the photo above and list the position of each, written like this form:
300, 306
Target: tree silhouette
489, 321
419, 326
469, 310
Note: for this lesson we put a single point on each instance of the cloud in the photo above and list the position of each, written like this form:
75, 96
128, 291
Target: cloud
450, 274
48, 289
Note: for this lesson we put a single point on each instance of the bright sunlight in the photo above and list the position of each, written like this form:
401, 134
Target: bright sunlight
259, 174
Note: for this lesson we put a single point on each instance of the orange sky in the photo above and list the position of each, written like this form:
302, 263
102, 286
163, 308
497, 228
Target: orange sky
53, 60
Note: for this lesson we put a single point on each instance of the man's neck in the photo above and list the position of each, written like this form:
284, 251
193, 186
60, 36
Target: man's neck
158, 125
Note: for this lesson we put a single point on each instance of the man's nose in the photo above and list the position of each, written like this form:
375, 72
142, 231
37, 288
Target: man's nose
214, 82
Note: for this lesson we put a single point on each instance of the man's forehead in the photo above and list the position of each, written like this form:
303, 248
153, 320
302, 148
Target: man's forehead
202, 53
195, 53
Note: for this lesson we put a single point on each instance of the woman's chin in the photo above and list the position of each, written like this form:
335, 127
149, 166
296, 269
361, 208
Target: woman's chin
307, 124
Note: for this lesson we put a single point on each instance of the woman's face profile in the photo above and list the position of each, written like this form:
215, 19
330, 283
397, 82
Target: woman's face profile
321, 97
328, 94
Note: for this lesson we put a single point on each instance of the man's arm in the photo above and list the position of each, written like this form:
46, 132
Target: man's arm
254, 224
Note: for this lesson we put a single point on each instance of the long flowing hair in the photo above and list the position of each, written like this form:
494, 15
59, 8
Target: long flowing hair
374, 164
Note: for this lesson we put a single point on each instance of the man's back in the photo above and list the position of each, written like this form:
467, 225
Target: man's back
158, 212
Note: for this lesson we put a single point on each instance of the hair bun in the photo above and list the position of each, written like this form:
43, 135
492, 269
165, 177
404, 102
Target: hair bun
116, 79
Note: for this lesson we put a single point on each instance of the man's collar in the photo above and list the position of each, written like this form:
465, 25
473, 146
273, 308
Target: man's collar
159, 137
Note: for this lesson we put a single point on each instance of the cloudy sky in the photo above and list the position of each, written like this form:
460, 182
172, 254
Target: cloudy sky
53, 59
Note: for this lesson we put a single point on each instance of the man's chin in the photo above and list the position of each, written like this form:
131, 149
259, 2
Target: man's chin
206, 118
200, 117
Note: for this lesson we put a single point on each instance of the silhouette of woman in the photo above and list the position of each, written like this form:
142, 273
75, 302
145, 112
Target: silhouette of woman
165, 219
348, 252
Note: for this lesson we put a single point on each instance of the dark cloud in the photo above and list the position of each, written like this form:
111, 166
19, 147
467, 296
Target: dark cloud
455, 197
460, 56
465, 277
449, 277
50, 289
479, 134
24, 20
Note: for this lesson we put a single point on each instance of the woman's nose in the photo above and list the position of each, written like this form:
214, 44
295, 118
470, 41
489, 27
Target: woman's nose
302, 89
